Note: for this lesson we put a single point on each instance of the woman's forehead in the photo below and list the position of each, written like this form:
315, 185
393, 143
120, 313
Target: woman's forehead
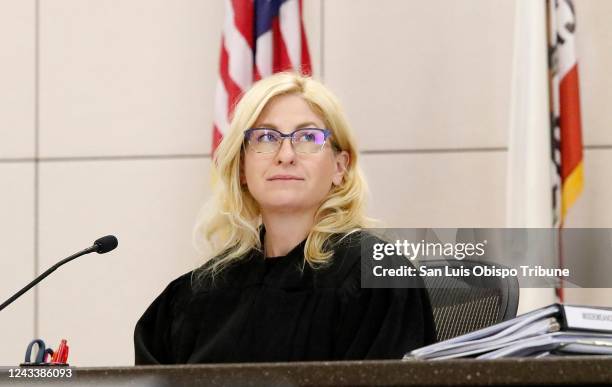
288, 110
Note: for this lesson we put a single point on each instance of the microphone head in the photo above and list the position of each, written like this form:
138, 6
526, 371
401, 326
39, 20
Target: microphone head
106, 244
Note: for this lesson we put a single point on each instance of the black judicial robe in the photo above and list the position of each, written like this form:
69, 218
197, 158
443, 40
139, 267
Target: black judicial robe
265, 309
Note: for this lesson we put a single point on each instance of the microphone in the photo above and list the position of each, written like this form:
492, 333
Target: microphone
100, 246
106, 244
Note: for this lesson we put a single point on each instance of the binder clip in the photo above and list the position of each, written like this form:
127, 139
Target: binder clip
57, 358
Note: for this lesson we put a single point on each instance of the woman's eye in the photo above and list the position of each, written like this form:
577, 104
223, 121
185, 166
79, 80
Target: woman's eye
308, 137
266, 137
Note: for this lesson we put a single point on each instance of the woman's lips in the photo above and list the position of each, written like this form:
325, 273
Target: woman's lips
284, 177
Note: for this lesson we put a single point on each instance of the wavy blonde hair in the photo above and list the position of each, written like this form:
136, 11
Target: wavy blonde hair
229, 223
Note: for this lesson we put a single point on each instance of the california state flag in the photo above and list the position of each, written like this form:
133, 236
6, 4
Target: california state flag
566, 122
545, 173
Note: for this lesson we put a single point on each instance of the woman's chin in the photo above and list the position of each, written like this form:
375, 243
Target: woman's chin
283, 205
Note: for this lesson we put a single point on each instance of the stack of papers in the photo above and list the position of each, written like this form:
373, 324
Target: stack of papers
554, 330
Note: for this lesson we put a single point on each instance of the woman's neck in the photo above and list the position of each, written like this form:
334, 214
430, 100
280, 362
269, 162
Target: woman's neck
284, 231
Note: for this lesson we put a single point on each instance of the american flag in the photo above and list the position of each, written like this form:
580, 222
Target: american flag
260, 37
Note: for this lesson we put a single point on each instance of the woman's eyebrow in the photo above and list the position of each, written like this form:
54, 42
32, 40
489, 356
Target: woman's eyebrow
302, 125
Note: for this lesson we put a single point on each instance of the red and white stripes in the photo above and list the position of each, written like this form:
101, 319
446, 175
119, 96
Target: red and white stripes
259, 39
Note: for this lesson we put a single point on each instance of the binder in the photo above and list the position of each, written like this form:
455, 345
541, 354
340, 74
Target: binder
557, 329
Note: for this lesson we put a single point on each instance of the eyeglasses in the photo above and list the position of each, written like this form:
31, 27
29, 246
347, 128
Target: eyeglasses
306, 140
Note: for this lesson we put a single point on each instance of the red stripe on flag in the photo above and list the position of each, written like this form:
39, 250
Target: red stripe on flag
280, 56
243, 19
217, 137
233, 90
571, 138
306, 66
256, 74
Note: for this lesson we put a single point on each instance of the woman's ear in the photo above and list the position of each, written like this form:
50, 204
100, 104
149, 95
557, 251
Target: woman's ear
342, 160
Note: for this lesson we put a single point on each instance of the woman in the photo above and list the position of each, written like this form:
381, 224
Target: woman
283, 283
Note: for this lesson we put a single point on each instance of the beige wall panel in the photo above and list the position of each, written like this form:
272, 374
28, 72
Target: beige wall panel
594, 50
437, 190
595, 297
594, 207
17, 60
151, 206
17, 262
128, 77
415, 75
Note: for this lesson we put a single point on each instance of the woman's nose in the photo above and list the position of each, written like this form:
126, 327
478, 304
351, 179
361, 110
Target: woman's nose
285, 153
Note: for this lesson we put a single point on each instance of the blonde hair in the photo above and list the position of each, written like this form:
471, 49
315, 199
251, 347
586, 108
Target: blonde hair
229, 224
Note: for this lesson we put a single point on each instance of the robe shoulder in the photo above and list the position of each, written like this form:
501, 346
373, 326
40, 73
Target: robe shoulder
152, 335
